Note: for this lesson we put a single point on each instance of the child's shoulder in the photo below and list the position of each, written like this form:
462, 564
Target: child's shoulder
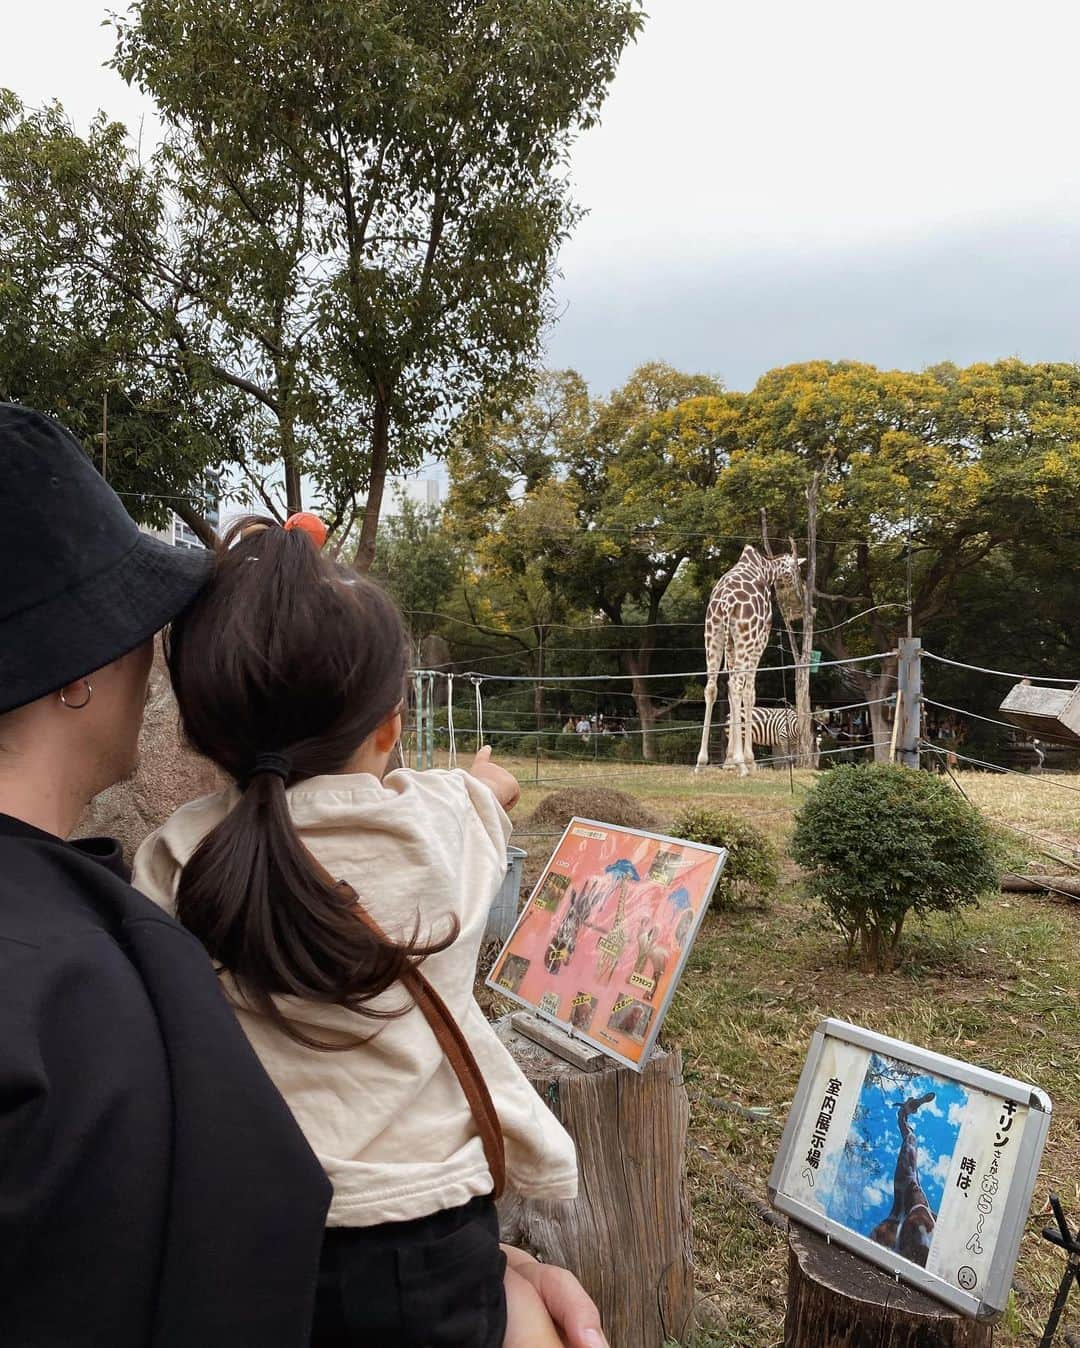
447, 783
453, 787
469, 798
163, 852
186, 827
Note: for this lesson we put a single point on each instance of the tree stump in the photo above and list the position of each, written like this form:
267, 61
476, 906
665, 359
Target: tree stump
627, 1236
836, 1300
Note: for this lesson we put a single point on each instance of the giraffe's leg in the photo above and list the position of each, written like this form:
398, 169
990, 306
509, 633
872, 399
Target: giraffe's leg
736, 732
732, 740
710, 702
749, 698
729, 745
729, 749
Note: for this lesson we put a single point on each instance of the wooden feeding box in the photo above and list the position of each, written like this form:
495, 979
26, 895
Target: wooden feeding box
1048, 713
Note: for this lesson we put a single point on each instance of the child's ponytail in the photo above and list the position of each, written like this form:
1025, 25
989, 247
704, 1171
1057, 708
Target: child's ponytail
282, 668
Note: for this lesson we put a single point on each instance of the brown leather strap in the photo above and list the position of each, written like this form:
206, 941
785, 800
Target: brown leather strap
452, 1042
456, 1047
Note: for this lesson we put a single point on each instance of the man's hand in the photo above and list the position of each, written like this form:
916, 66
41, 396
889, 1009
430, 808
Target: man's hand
569, 1305
503, 784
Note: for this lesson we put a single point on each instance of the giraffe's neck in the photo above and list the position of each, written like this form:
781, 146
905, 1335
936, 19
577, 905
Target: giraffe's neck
766, 570
753, 565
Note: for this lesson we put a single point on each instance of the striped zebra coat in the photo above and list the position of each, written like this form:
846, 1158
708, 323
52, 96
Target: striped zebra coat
775, 728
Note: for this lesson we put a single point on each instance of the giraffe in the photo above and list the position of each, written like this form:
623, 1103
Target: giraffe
909, 1227
738, 621
610, 947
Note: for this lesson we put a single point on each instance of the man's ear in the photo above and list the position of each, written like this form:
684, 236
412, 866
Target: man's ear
387, 735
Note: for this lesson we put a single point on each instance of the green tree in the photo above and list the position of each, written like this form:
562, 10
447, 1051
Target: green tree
426, 141
163, 289
74, 345
417, 562
600, 504
647, 486
963, 463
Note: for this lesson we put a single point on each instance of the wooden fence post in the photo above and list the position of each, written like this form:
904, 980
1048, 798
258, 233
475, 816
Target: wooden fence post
836, 1300
627, 1236
909, 709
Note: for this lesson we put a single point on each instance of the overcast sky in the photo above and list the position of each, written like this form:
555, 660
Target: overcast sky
887, 181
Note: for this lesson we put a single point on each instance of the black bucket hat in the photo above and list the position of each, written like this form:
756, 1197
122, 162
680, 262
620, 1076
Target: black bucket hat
79, 584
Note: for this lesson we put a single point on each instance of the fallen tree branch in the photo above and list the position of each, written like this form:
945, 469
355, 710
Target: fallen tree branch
1067, 885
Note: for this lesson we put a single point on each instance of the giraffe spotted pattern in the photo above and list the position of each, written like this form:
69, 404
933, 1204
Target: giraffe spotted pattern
738, 621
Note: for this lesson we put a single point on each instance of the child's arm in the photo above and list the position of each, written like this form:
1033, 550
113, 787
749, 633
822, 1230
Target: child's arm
503, 785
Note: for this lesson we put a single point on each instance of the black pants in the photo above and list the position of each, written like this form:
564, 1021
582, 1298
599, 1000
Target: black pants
436, 1282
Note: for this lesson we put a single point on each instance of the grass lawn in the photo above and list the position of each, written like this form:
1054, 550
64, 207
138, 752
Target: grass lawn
1000, 989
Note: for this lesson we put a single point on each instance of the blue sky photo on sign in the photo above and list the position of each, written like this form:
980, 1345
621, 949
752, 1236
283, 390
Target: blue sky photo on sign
861, 1193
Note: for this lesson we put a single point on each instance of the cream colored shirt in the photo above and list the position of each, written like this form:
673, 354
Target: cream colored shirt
388, 1119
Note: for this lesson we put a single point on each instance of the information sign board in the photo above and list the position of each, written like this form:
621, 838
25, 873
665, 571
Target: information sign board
602, 941
920, 1163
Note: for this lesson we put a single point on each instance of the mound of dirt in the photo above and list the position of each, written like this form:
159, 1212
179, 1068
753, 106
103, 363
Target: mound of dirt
599, 802
554, 812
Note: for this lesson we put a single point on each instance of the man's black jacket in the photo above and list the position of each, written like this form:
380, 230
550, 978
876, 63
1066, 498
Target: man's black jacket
155, 1191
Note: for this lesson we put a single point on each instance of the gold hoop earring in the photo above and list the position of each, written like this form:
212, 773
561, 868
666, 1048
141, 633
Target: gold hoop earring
78, 706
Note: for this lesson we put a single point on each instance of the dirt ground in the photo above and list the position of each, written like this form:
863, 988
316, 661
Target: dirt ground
1001, 989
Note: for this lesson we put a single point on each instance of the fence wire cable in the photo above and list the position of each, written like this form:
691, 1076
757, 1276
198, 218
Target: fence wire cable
600, 734
941, 750
960, 711
825, 753
1038, 879
690, 674
1002, 673
818, 631
1047, 843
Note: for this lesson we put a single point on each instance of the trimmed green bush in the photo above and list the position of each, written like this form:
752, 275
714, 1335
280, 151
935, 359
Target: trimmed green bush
753, 866
878, 842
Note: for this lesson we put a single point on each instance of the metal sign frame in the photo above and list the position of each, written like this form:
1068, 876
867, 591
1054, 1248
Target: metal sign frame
718, 857
989, 1301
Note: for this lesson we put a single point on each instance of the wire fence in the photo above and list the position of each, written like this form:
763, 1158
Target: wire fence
999, 673
690, 674
986, 766
608, 769
613, 743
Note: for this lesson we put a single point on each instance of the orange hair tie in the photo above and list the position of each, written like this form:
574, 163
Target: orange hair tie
308, 524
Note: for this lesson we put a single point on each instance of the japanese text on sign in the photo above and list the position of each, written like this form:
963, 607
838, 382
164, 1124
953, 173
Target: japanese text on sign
824, 1120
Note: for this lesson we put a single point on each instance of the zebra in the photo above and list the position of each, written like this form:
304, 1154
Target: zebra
777, 728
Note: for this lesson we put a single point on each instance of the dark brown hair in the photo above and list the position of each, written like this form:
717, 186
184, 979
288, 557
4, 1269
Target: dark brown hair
285, 653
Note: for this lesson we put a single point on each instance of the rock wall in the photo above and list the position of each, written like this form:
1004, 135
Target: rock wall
169, 774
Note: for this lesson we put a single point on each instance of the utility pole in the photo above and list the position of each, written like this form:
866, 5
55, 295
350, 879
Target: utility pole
105, 435
909, 709
418, 698
909, 570
431, 719
424, 686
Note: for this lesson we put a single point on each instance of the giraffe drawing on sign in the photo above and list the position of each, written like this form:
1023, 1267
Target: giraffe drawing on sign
738, 621
610, 947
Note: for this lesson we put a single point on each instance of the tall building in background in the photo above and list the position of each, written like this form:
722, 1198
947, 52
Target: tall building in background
422, 491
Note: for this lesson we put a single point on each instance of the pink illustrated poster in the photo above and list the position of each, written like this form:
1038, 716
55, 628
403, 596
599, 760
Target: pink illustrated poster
601, 943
